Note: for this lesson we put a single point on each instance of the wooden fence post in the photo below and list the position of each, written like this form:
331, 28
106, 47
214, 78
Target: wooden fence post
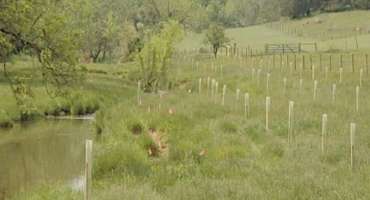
324, 132
295, 62
290, 122
88, 168
353, 62
246, 105
268, 107
281, 62
139, 102
333, 92
200, 86
315, 90
216, 91
313, 72
287, 60
352, 142
367, 63
357, 98
223, 95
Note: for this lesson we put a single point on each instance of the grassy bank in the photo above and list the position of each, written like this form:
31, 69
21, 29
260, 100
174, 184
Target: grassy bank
102, 85
186, 145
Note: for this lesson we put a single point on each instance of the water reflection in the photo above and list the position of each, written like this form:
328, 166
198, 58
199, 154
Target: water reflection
42, 152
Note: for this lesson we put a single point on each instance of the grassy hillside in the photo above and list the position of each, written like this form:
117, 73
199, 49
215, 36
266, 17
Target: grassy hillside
255, 37
329, 25
332, 31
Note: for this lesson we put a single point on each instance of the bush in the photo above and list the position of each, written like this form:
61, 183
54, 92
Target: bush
75, 104
5, 120
155, 56
77, 108
57, 107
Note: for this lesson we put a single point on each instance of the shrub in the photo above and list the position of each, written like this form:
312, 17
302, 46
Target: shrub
155, 56
5, 121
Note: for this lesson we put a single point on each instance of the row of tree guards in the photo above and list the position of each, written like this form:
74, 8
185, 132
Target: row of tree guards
305, 60
212, 86
212, 90
310, 61
255, 58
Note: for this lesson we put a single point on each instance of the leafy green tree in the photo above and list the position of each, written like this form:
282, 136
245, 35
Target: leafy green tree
102, 25
39, 28
156, 54
215, 36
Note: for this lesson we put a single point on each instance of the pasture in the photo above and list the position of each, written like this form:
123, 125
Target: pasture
239, 126
213, 143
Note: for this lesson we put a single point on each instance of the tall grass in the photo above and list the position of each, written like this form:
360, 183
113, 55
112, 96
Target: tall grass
215, 152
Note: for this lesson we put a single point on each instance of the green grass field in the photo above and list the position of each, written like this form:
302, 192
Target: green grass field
184, 144
335, 31
217, 152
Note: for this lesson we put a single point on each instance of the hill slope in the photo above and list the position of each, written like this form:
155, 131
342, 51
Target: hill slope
332, 31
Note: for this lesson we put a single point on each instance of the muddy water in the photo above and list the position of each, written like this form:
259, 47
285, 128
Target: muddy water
42, 152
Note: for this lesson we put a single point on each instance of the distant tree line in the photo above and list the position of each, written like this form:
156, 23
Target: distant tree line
116, 30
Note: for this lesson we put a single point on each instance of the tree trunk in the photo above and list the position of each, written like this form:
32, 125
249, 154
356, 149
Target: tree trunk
215, 51
104, 55
95, 56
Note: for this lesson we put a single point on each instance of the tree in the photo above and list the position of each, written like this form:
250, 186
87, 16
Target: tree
154, 57
41, 29
102, 25
216, 37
